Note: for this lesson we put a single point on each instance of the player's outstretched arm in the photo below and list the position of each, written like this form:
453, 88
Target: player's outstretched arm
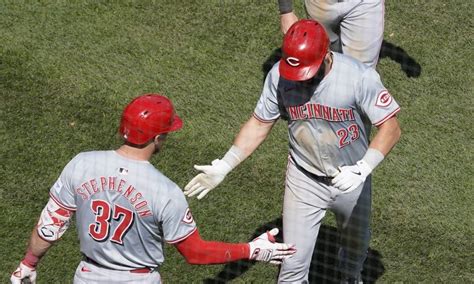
264, 248
251, 135
351, 177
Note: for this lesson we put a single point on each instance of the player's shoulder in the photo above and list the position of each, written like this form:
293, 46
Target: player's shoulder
88, 157
353, 69
274, 72
164, 190
160, 177
349, 64
160, 181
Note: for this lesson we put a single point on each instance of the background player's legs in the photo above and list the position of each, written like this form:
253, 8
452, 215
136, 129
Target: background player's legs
361, 31
301, 222
329, 13
354, 228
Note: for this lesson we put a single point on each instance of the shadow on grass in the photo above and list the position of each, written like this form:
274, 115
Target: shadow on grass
323, 267
388, 50
407, 63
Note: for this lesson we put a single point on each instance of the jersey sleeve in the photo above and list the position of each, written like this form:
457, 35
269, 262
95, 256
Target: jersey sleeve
178, 221
62, 191
375, 100
267, 106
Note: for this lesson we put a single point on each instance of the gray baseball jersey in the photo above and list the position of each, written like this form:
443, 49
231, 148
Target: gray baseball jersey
125, 209
332, 128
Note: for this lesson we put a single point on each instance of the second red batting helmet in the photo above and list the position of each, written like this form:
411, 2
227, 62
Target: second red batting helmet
147, 116
304, 46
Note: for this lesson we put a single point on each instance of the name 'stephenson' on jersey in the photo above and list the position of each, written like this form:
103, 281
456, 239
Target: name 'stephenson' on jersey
117, 185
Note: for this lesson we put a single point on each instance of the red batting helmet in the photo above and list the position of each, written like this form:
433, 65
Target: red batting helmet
147, 116
304, 46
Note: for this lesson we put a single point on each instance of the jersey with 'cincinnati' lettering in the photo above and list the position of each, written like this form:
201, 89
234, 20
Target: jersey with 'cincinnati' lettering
329, 121
125, 209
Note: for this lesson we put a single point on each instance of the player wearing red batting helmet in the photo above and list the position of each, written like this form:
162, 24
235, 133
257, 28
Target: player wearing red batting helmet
119, 197
304, 47
328, 100
147, 116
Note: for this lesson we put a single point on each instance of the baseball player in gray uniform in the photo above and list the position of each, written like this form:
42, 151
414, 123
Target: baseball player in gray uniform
126, 209
330, 101
355, 27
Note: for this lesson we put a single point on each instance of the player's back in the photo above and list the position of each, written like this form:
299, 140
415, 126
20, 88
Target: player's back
119, 203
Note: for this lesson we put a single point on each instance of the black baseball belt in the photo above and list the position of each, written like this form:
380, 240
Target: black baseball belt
322, 179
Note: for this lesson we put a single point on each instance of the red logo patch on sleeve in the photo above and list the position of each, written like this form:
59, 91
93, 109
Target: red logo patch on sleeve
384, 99
188, 217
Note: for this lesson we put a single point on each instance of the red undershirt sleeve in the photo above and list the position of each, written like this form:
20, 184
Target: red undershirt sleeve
198, 251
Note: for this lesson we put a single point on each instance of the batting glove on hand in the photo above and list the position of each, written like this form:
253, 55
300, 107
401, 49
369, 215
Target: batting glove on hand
210, 177
264, 248
22, 274
351, 177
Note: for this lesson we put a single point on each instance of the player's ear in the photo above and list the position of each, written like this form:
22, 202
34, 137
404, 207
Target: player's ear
160, 137
328, 55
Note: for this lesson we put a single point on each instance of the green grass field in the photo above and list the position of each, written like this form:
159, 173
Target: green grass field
67, 68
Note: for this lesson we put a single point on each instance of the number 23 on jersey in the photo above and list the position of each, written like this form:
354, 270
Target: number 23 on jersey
348, 135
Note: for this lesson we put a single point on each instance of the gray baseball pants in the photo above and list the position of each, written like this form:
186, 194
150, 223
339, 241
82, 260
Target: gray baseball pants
305, 204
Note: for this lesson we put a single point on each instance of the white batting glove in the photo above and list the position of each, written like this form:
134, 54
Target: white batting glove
23, 274
263, 248
210, 177
351, 177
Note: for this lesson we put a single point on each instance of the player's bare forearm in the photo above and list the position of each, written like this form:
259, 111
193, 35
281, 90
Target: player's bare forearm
27, 268
38, 246
287, 20
252, 134
387, 136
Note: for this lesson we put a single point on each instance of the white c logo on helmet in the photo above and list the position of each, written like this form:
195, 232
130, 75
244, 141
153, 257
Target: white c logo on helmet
293, 61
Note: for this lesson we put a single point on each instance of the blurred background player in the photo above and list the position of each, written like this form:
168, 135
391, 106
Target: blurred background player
354, 27
330, 101
125, 209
